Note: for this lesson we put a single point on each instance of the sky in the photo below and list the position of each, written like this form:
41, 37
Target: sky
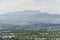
50, 6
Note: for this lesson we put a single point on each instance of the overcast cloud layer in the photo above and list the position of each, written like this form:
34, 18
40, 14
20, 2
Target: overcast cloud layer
51, 6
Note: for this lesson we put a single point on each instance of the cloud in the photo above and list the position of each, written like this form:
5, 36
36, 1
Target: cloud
14, 5
51, 6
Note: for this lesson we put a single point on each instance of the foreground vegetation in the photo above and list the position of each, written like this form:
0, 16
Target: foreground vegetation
31, 32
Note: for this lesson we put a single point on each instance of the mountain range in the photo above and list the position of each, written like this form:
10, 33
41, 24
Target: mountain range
29, 17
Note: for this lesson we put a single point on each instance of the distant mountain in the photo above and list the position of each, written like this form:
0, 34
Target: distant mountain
29, 17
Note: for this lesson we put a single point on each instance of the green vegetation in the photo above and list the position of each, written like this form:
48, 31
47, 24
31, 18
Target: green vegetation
30, 32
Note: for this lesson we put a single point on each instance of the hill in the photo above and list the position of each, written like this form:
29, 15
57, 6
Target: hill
29, 17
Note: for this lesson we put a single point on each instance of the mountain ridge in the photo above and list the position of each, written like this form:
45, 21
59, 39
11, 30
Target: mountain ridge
29, 17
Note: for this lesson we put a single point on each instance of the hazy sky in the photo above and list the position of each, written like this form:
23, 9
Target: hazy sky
51, 6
